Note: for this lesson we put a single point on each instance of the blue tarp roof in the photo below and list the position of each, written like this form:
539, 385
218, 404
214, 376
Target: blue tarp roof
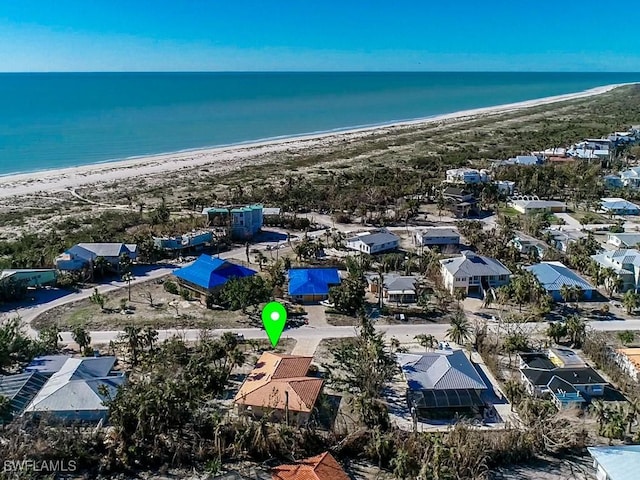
312, 281
208, 272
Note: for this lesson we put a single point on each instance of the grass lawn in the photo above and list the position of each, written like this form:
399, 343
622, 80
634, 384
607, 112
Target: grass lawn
508, 211
590, 218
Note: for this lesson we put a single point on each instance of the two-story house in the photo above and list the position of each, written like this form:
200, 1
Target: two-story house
625, 263
473, 273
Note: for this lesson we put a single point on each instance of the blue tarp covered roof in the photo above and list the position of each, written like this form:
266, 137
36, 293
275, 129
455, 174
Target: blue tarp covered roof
312, 281
208, 272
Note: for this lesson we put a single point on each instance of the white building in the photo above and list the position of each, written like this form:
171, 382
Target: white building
505, 187
467, 175
473, 273
437, 236
532, 204
374, 242
631, 177
618, 206
626, 264
623, 240
616, 463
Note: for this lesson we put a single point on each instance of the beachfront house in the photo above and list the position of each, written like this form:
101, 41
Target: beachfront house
522, 160
242, 222
78, 391
625, 263
618, 206
442, 384
378, 241
29, 277
84, 255
279, 388
473, 273
554, 275
436, 236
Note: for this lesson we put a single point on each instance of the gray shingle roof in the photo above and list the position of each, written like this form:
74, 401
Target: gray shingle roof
378, 238
439, 232
105, 249
443, 370
575, 376
473, 265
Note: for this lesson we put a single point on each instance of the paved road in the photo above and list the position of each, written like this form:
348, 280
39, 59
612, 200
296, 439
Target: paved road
48, 299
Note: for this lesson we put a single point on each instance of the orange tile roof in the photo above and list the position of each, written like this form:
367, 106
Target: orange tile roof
320, 467
276, 377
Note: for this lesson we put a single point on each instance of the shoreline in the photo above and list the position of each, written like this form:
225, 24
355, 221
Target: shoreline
240, 154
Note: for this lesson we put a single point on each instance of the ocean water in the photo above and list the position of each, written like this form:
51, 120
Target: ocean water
55, 120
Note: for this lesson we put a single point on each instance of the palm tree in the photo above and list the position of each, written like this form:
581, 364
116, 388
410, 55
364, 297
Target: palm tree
81, 337
576, 329
426, 341
100, 264
599, 409
631, 301
460, 330
556, 330
565, 292
128, 277
514, 391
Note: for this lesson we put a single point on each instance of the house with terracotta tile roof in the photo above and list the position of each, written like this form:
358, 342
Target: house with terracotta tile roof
278, 387
320, 467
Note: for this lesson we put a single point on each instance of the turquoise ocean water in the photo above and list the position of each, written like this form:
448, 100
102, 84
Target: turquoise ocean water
54, 120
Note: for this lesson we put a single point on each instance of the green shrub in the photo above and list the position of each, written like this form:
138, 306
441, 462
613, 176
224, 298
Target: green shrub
171, 287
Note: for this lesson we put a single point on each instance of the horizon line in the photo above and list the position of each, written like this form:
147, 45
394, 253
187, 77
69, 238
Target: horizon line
319, 71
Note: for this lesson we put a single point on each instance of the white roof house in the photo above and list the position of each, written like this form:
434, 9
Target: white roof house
616, 463
75, 392
522, 160
437, 236
618, 206
473, 273
374, 242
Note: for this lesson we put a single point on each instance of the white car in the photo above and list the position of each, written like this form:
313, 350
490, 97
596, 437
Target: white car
327, 303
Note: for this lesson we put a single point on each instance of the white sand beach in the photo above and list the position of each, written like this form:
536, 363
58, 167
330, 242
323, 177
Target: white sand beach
223, 159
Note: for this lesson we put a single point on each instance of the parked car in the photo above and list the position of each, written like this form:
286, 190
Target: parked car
327, 303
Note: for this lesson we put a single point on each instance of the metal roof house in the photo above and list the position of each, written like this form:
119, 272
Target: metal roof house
47, 365
83, 254
395, 288
624, 240
625, 263
554, 275
20, 389
207, 274
618, 206
532, 204
312, 284
76, 392
437, 236
473, 273
374, 242
616, 463
441, 383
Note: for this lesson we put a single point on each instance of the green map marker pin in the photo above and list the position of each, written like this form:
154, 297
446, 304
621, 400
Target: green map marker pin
274, 318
